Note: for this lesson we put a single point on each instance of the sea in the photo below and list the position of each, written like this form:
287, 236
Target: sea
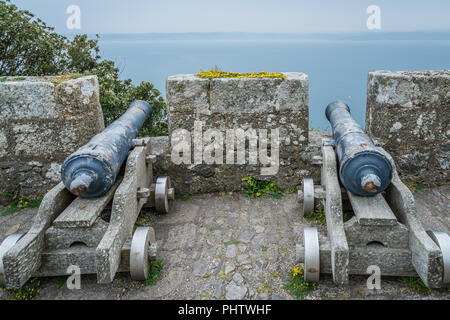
337, 64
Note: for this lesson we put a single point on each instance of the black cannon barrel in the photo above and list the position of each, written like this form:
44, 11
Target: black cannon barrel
92, 170
363, 170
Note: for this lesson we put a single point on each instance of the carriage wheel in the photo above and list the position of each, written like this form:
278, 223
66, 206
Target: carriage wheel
442, 239
308, 196
140, 243
162, 189
7, 244
312, 254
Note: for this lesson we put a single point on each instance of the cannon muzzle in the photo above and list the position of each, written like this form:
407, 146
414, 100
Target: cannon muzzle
92, 170
363, 170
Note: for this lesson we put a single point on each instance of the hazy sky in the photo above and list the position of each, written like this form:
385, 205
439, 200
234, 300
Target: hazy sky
296, 16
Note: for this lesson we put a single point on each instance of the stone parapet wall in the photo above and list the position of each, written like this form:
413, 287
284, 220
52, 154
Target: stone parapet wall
231, 104
409, 114
198, 179
42, 121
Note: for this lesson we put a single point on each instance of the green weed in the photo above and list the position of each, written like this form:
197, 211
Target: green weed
154, 273
256, 188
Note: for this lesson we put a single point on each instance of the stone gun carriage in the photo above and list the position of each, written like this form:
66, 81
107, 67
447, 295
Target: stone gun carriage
384, 231
71, 228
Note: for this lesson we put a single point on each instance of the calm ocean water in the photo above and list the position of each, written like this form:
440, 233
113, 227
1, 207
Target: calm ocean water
337, 68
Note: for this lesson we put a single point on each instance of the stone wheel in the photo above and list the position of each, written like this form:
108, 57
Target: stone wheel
162, 194
308, 196
140, 243
7, 244
312, 254
442, 239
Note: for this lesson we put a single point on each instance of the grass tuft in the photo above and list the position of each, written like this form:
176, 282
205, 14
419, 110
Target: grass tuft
265, 287
318, 215
415, 187
18, 204
416, 285
185, 197
154, 273
27, 292
231, 241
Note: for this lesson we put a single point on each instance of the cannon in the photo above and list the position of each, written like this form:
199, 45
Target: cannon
363, 170
88, 219
381, 226
90, 171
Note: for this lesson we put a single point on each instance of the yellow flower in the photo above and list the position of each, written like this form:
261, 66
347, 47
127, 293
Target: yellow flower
223, 74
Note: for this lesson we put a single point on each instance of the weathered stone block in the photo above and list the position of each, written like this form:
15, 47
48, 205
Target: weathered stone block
3, 145
27, 100
43, 120
44, 140
53, 173
254, 106
187, 93
407, 112
255, 95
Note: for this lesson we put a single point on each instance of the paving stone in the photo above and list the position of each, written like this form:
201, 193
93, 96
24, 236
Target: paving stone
235, 292
218, 288
231, 251
206, 286
258, 241
273, 237
259, 229
238, 279
246, 235
217, 233
181, 236
243, 259
264, 296
226, 236
229, 267
200, 268
242, 248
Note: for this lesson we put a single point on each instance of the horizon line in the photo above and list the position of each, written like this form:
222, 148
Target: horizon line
368, 32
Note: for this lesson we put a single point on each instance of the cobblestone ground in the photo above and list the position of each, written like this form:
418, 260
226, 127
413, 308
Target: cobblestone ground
232, 247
